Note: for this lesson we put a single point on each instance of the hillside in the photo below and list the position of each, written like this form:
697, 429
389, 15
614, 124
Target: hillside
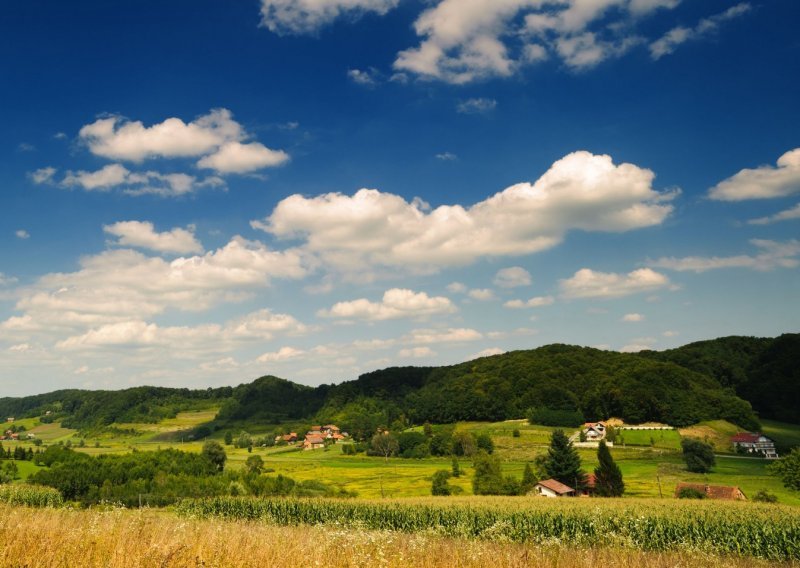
708, 380
762, 371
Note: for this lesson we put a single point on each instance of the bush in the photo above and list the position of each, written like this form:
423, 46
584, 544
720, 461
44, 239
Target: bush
698, 455
515, 433
765, 496
440, 485
555, 417
690, 493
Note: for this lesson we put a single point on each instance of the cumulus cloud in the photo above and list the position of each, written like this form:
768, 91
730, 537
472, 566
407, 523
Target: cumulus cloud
787, 215
309, 16
481, 294
282, 354
536, 302
416, 353
447, 157
451, 335
124, 285
142, 234
43, 175
512, 277
217, 139
670, 41
764, 182
770, 255
238, 158
469, 40
366, 78
581, 191
456, 288
587, 283
396, 303
137, 183
6, 280
487, 353
22, 234
633, 318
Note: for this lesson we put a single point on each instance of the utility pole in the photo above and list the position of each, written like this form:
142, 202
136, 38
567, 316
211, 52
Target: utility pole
660, 493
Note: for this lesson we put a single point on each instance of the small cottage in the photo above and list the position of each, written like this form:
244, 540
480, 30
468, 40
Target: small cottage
721, 492
553, 488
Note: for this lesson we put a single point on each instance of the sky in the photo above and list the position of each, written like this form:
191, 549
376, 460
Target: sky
198, 193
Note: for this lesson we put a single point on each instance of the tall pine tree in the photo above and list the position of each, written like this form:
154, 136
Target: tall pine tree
563, 463
607, 475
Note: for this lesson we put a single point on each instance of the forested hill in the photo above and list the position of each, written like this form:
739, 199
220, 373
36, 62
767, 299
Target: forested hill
700, 381
766, 372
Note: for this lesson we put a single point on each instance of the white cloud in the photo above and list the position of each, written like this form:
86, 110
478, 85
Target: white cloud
681, 34
215, 137
309, 16
366, 78
283, 354
787, 215
456, 288
536, 302
396, 303
476, 106
6, 280
20, 348
142, 234
238, 158
585, 50
123, 285
416, 353
764, 182
669, 333
581, 191
587, 283
635, 347
633, 318
481, 294
771, 255
22, 234
42, 175
138, 183
447, 157
451, 335
486, 353
512, 277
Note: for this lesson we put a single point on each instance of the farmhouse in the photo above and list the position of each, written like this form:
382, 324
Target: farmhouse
313, 442
754, 444
722, 492
594, 431
553, 488
288, 438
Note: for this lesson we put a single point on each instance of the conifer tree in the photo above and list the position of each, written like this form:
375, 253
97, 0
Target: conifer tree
529, 480
607, 475
563, 462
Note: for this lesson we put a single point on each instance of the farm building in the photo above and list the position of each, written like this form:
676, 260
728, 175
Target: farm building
722, 492
553, 488
594, 431
754, 444
313, 442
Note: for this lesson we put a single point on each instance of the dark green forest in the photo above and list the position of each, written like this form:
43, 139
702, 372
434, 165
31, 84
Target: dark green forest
740, 379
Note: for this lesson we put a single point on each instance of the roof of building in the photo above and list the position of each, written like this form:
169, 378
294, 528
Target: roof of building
315, 439
712, 491
556, 486
746, 437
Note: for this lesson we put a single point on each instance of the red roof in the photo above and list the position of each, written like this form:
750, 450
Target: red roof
746, 437
315, 440
725, 492
556, 486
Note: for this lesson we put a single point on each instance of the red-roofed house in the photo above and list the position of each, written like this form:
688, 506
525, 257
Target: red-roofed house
594, 431
754, 444
313, 442
553, 488
723, 492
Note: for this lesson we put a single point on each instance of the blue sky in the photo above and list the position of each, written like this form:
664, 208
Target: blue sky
199, 193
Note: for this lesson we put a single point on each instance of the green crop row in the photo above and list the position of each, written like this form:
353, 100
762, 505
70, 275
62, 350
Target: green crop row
738, 529
30, 496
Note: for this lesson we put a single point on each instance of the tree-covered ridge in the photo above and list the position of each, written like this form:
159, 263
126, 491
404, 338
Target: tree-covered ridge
707, 380
763, 371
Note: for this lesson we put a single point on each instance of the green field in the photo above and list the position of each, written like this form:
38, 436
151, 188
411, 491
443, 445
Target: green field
650, 471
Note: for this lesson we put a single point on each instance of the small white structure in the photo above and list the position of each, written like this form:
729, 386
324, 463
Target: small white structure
553, 488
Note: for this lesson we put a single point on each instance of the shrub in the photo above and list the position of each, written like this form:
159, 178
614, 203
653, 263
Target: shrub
765, 496
690, 493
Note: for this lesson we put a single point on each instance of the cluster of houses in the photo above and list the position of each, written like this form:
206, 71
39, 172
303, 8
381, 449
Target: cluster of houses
9, 435
315, 438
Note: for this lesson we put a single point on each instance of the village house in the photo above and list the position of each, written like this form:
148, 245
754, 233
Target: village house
313, 441
553, 488
721, 492
754, 444
594, 431
10, 419
288, 438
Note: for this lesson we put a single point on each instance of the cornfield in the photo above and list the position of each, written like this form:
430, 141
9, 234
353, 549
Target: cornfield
30, 496
740, 529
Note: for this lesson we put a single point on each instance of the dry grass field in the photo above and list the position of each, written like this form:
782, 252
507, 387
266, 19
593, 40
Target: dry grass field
47, 538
